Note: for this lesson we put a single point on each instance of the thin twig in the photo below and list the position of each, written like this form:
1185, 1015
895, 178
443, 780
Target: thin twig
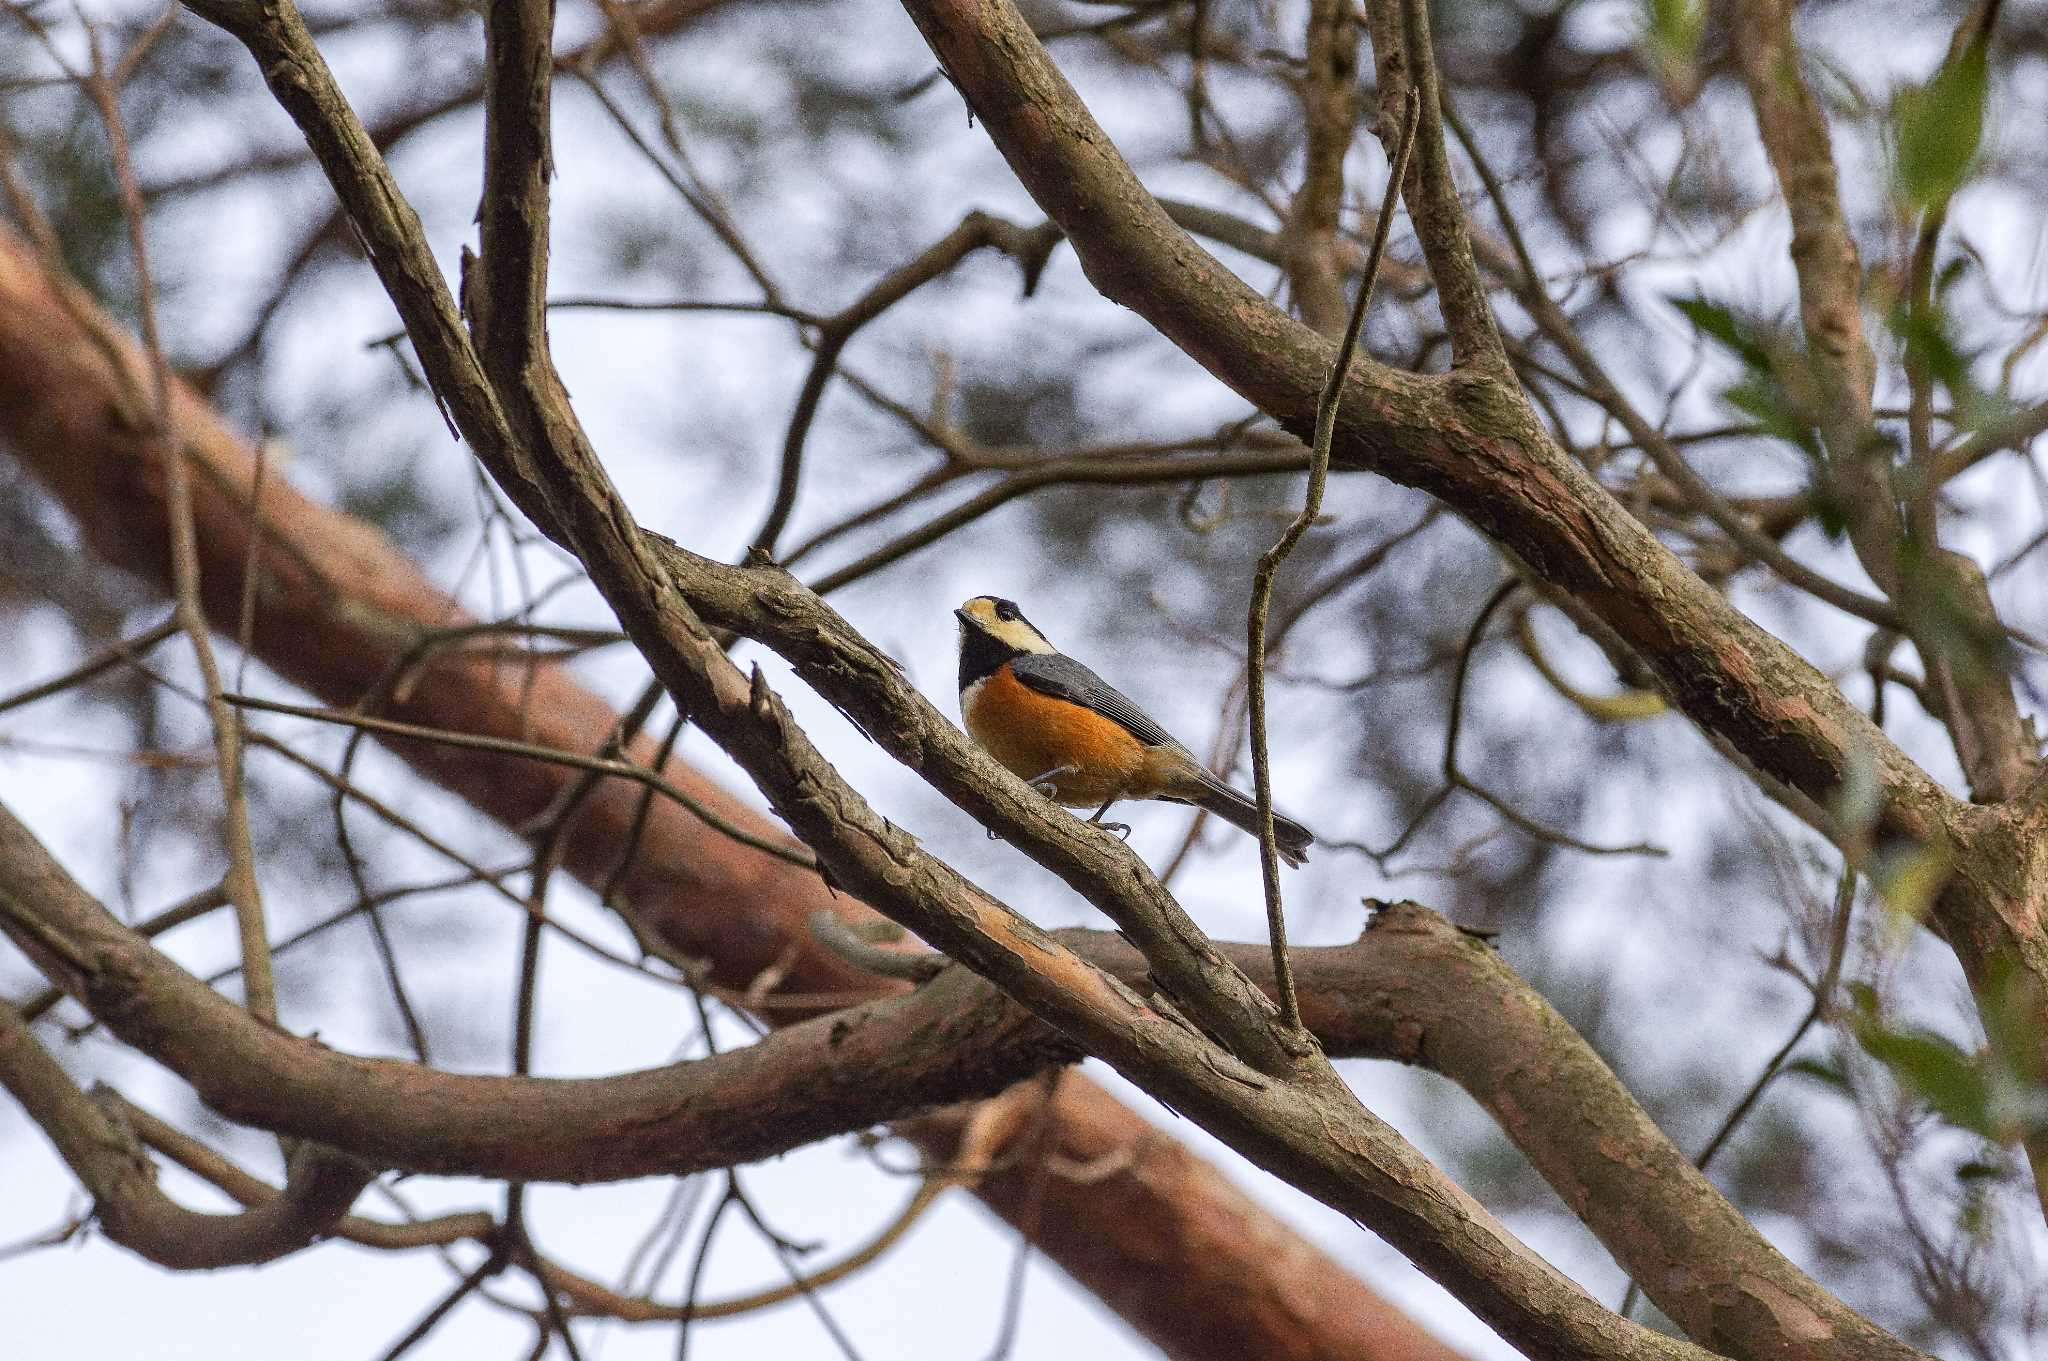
462, 1290
625, 770
1823, 998
126, 650
1269, 563
258, 984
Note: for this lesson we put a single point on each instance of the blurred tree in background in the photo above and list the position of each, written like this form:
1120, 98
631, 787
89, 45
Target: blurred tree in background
1672, 617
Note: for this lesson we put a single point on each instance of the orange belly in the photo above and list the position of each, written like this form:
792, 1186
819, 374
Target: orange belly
1033, 734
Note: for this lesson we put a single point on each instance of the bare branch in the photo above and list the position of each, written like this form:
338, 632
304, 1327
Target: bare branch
244, 891
817, 1077
1405, 58
1030, 248
343, 609
1329, 101
1270, 560
138, 1216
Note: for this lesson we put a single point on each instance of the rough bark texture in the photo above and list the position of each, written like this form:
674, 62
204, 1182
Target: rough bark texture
1413, 989
341, 612
1087, 1165
1470, 438
826, 1076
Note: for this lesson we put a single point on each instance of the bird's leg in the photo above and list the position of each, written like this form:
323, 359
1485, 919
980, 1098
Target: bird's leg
1122, 829
1044, 783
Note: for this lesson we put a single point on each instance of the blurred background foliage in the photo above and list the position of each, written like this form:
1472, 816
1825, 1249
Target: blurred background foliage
800, 151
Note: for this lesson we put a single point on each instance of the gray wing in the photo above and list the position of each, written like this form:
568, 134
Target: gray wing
1064, 678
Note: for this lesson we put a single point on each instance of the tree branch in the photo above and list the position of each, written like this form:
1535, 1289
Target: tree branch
1934, 584
819, 1077
112, 1165
1412, 989
1405, 60
347, 616
1466, 437
1329, 106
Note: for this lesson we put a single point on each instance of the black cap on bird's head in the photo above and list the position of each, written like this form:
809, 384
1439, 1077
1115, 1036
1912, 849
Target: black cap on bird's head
992, 631
993, 617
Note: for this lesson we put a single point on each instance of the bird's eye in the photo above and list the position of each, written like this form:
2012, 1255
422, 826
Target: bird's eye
1005, 610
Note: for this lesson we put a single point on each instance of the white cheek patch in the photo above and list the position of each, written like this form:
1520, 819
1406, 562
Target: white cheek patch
968, 695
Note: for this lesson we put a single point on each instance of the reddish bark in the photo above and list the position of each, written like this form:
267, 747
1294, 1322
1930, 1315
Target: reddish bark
1187, 1258
1194, 1230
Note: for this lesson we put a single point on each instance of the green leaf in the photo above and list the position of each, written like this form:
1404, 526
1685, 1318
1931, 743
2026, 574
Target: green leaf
1672, 30
1907, 880
1929, 340
1928, 343
1943, 619
1761, 393
1950, 1081
1939, 126
1950, 274
1737, 335
1820, 1070
1830, 512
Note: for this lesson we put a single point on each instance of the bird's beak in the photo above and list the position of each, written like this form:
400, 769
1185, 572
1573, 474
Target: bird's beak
966, 619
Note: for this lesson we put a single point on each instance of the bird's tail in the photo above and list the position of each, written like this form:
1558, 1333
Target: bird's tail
1290, 838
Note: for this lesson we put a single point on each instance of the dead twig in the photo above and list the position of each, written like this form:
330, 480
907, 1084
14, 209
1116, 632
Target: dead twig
1270, 560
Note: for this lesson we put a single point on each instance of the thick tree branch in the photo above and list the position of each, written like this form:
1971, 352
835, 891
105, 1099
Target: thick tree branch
1412, 989
113, 1166
674, 1119
819, 1077
1404, 56
1466, 437
347, 616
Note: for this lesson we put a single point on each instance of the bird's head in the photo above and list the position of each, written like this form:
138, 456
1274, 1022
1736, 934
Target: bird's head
998, 619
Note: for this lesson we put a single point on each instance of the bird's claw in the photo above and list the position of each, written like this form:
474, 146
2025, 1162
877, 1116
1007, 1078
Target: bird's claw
1047, 782
1122, 829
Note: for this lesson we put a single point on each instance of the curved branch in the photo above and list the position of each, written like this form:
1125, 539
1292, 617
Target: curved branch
1412, 989
1466, 437
823, 1076
341, 608
126, 1201
252, 1191
1938, 589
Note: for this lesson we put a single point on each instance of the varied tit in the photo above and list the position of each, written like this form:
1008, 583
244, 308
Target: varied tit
1074, 736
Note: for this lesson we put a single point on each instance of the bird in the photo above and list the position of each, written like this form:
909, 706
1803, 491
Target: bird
1076, 738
